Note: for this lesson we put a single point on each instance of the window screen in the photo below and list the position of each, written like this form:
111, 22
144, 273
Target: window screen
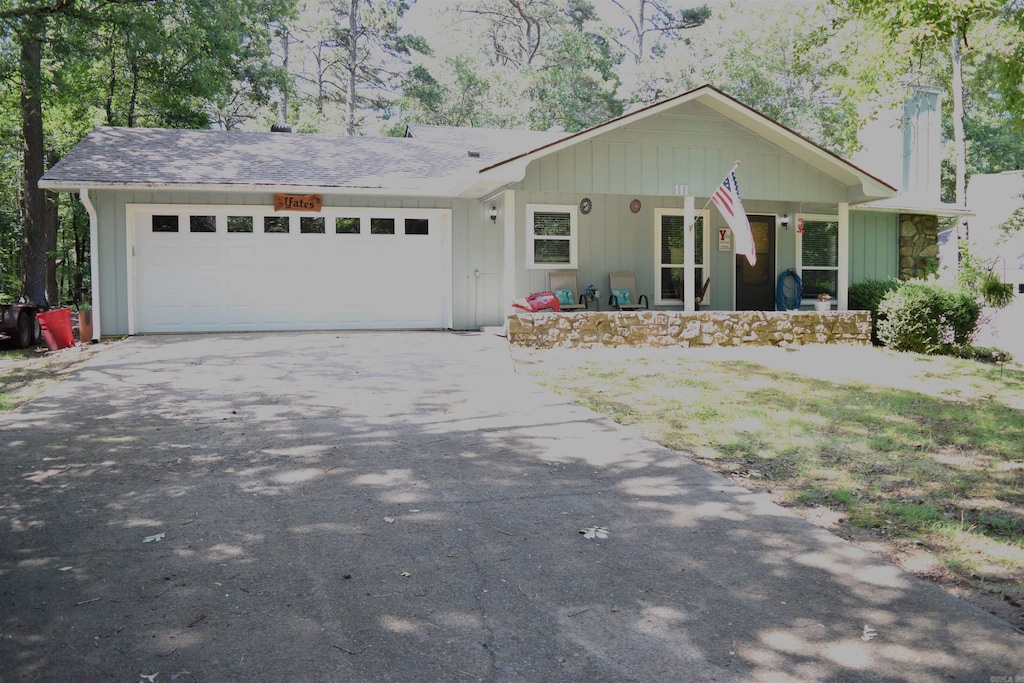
819, 256
552, 233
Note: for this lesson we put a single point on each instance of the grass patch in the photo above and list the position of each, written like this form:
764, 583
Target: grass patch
26, 373
922, 449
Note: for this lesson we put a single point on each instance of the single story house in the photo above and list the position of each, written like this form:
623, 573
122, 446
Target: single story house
196, 231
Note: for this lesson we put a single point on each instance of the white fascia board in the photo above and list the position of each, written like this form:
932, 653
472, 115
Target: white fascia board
489, 182
445, 190
948, 211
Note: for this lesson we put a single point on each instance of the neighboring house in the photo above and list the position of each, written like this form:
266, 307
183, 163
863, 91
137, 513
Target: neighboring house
995, 237
446, 227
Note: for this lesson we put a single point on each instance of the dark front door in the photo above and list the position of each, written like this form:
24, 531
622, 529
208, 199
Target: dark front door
755, 284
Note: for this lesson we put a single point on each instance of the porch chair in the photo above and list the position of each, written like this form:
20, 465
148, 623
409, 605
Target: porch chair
703, 293
699, 299
623, 293
563, 286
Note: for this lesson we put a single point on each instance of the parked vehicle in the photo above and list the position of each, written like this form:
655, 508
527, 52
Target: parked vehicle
18, 321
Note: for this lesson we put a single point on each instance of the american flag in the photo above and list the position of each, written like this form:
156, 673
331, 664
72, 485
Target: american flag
727, 199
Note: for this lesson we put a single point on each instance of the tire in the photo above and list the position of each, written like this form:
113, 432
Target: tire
37, 332
26, 331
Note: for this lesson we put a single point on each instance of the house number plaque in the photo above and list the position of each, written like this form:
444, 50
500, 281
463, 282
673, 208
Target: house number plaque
298, 202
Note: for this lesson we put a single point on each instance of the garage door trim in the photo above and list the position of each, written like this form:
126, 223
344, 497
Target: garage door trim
137, 211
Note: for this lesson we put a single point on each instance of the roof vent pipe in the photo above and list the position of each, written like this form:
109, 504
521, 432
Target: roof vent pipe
281, 127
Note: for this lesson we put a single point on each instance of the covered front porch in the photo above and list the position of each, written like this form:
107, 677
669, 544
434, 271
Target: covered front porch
632, 196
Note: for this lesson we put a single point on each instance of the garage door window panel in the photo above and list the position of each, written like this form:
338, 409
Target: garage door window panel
240, 224
202, 224
312, 225
417, 226
382, 226
276, 224
347, 225
165, 223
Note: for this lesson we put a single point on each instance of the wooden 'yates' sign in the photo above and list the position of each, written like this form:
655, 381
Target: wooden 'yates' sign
298, 202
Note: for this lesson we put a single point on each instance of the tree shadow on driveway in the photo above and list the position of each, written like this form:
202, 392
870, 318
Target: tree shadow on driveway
401, 506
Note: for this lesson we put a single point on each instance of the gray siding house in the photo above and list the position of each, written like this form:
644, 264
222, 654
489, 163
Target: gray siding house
198, 231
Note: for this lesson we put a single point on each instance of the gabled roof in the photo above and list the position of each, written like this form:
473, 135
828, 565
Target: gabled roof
505, 142
238, 161
431, 161
513, 168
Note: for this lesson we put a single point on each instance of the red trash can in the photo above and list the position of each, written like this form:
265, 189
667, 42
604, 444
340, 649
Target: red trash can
56, 328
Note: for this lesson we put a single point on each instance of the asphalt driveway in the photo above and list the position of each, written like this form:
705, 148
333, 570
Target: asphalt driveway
403, 507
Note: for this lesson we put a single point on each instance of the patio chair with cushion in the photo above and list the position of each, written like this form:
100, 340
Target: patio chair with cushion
623, 293
563, 286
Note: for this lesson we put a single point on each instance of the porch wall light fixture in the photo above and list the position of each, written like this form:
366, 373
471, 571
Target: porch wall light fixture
785, 221
493, 213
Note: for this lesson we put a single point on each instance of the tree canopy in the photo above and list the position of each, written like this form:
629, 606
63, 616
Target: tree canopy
371, 66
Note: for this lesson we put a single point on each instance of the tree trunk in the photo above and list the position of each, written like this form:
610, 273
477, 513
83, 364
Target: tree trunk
640, 32
959, 140
353, 64
282, 111
134, 98
111, 81
34, 241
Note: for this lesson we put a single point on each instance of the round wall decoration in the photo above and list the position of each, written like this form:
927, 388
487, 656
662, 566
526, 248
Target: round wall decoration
586, 205
634, 206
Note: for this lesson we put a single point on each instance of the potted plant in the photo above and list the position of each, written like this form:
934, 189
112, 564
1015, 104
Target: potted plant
84, 325
824, 302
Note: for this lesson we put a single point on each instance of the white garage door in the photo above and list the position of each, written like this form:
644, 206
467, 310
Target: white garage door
210, 269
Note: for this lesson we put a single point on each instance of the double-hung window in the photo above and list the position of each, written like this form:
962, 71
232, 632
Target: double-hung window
671, 232
817, 254
551, 235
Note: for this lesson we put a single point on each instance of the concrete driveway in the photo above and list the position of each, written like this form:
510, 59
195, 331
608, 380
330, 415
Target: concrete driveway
403, 507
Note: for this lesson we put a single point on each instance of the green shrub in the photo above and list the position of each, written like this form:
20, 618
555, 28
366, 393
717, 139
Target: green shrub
927, 318
866, 295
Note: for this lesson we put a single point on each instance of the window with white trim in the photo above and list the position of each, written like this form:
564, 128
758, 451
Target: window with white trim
551, 234
670, 233
817, 255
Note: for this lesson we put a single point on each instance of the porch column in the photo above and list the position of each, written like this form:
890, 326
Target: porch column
689, 267
508, 284
94, 261
842, 303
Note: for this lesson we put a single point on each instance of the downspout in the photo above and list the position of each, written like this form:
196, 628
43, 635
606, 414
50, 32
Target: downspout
94, 261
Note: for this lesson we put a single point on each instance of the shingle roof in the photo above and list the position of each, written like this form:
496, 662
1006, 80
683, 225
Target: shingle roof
152, 157
505, 142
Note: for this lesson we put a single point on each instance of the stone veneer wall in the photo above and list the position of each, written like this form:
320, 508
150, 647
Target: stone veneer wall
919, 244
675, 328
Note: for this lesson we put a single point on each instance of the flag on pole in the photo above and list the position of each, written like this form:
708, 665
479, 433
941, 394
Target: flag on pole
727, 199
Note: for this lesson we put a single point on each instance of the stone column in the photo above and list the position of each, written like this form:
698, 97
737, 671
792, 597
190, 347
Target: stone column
919, 244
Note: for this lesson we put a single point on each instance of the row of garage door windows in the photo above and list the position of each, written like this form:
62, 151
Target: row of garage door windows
347, 225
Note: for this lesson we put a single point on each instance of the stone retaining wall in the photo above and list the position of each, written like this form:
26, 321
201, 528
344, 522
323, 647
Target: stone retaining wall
675, 328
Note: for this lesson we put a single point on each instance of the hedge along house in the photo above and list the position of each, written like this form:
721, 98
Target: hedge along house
196, 231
